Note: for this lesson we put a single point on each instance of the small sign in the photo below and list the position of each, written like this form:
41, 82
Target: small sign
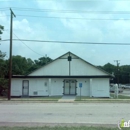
80, 85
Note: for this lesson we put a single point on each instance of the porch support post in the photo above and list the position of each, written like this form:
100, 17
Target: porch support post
91, 87
49, 87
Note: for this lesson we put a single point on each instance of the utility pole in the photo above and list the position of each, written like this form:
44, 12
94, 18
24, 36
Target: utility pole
117, 61
10, 57
45, 59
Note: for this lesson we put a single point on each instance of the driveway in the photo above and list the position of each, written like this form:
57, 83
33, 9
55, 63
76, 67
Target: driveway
72, 113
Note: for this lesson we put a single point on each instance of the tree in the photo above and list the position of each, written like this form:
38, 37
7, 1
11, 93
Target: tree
20, 65
3, 73
41, 62
23, 66
109, 68
3, 68
1, 29
123, 73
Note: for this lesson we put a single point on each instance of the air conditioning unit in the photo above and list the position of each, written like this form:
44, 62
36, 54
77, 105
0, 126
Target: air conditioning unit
35, 93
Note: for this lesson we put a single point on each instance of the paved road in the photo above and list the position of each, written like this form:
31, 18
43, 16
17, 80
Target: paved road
95, 113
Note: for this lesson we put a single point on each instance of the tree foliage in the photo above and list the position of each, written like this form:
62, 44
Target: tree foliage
23, 66
3, 72
20, 66
1, 29
123, 72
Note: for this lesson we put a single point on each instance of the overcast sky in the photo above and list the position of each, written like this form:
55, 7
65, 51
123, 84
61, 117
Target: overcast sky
62, 28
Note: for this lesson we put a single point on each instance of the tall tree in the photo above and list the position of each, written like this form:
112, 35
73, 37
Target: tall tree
23, 66
1, 30
3, 73
3, 68
41, 62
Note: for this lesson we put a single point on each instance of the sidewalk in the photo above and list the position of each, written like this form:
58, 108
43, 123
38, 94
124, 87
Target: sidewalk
62, 100
67, 99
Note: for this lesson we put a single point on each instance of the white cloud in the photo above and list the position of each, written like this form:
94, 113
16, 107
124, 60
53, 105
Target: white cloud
73, 30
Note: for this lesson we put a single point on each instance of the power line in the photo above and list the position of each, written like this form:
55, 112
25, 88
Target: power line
65, 0
73, 18
4, 16
70, 11
69, 42
28, 46
67, 11
4, 8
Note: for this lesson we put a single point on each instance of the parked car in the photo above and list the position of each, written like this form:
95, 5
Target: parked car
126, 86
122, 86
112, 89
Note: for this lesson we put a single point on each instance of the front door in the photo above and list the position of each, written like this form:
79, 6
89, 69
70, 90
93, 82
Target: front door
25, 88
70, 87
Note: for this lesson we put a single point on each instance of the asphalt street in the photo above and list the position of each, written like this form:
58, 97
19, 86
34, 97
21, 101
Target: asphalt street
91, 113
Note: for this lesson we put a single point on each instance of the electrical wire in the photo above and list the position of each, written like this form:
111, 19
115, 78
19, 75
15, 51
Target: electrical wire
27, 46
70, 0
70, 11
69, 42
66, 11
72, 18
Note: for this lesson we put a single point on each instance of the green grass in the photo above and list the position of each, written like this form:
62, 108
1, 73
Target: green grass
60, 128
52, 98
120, 96
48, 98
86, 99
112, 97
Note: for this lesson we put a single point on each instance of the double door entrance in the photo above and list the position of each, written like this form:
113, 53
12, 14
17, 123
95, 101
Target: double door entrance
70, 87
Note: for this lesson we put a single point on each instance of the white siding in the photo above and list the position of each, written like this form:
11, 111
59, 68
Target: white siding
66, 56
16, 87
80, 67
85, 90
57, 87
61, 67
38, 85
58, 67
100, 88
54, 87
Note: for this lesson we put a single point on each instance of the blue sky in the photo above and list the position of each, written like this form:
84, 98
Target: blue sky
62, 29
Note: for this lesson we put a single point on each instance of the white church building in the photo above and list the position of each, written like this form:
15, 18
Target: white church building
66, 75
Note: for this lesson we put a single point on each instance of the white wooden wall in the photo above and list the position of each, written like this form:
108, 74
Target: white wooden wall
54, 87
60, 67
38, 85
16, 87
100, 87
85, 90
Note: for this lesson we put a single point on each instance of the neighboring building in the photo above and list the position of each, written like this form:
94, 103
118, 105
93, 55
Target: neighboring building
63, 76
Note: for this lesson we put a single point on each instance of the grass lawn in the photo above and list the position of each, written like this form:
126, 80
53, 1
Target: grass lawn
52, 98
60, 128
120, 96
112, 97
86, 97
1, 97
121, 99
